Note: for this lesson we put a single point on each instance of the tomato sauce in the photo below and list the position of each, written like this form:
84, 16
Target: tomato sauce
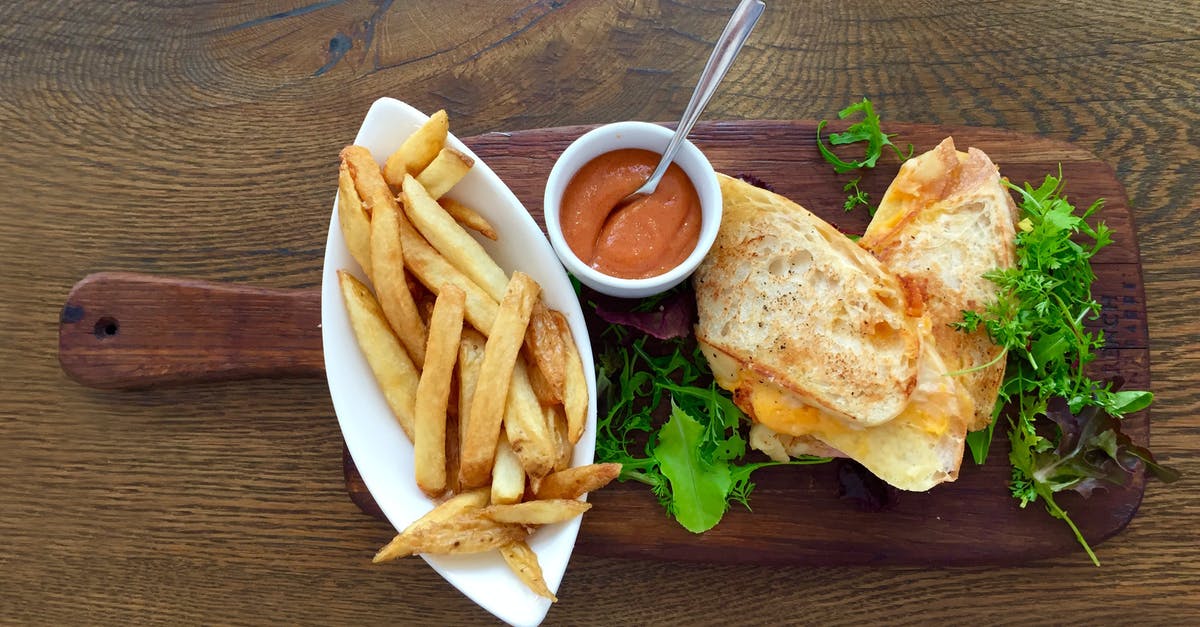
643, 239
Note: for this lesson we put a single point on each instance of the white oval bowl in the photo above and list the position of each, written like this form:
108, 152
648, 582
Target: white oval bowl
645, 136
380, 449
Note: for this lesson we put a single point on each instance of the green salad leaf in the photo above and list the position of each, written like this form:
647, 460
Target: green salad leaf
857, 197
865, 130
698, 487
693, 460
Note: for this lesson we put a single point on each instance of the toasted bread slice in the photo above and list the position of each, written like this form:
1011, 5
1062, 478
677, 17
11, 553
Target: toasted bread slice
946, 220
917, 450
791, 299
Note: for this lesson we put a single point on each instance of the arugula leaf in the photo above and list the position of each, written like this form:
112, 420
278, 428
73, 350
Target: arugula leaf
865, 130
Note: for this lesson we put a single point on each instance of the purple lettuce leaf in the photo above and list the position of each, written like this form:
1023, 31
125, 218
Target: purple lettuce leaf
1092, 452
665, 318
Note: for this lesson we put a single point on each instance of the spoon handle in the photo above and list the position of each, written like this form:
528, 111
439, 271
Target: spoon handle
744, 17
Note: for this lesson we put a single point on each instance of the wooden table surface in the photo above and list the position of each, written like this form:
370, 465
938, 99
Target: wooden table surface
200, 139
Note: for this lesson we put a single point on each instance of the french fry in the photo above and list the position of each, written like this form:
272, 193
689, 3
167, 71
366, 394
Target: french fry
470, 358
395, 372
452, 240
545, 344
495, 373
453, 450
391, 284
468, 217
418, 150
434, 271
524, 563
446, 169
546, 394
354, 221
575, 390
540, 512
433, 390
562, 440
525, 425
572, 483
402, 545
468, 532
368, 180
508, 477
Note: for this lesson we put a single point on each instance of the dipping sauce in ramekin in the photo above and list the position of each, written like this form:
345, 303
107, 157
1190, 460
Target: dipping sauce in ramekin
635, 251
637, 240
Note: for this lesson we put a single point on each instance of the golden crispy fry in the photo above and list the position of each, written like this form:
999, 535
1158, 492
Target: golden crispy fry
433, 271
466, 532
391, 284
402, 545
546, 394
368, 180
433, 391
575, 390
525, 424
575, 482
508, 477
470, 532
562, 440
354, 221
537, 512
524, 563
452, 240
393, 369
453, 454
418, 150
470, 358
545, 344
448, 168
468, 217
495, 373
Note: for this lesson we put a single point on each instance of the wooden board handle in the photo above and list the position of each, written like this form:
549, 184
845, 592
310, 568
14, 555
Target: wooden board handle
127, 330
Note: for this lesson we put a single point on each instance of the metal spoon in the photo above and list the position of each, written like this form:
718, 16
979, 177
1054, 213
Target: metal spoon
744, 17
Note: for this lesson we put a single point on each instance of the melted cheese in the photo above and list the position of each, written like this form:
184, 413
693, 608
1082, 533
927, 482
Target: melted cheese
918, 449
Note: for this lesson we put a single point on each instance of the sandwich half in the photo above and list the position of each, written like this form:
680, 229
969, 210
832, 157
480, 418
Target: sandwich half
946, 220
823, 347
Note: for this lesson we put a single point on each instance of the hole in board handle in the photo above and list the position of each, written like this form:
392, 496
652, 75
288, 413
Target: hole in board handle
106, 327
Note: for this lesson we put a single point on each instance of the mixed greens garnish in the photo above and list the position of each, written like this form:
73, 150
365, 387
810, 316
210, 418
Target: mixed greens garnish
1038, 319
1064, 427
667, 423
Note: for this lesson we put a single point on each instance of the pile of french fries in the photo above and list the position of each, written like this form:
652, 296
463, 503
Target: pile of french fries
481, 375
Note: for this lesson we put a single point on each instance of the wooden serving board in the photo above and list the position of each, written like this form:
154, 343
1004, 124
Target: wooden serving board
123, 330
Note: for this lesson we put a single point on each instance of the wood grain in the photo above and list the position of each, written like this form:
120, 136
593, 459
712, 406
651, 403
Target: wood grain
199, 139
126, 330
